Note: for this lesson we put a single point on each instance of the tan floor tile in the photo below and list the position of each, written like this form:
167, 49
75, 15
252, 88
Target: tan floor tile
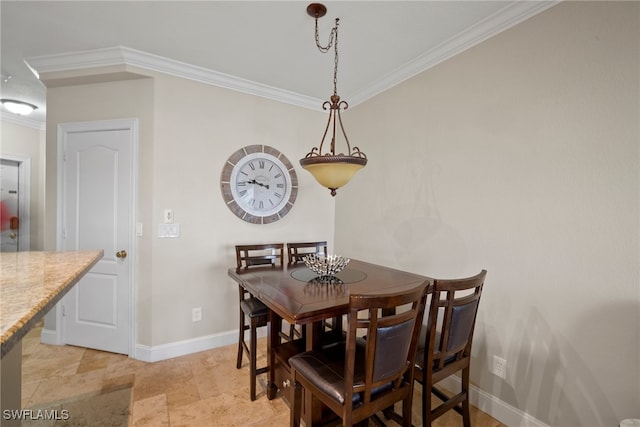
281, 417
151, 412
214, 356
225, 378
28, 389
278, 420
62, 388
222, 410
53, 352
35, 370
30, 344
92, 365
123, 365
93, 359
118, 383
156, 378
183, 393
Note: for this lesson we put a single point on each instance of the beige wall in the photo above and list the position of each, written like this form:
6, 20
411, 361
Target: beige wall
197, 127
28, 142
187, 131
521, 156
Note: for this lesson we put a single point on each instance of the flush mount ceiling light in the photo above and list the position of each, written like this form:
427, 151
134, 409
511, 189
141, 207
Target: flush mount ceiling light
332, 170
18, 107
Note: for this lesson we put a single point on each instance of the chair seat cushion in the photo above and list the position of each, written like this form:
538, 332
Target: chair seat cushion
253, 307
325, 370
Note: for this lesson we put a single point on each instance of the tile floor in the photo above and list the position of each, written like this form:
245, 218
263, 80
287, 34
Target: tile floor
201, 389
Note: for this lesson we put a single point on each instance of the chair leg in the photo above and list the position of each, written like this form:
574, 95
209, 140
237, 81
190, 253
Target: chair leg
406, 411
240, 340
426, 404
466, 413
252, 360
296, 405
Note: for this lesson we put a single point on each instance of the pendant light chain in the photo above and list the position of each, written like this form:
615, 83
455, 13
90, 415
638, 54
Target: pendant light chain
333, 41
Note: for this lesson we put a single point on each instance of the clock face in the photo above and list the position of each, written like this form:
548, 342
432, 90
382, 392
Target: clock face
259, 184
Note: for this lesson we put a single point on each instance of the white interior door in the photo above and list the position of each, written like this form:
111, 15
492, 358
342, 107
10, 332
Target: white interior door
97, 213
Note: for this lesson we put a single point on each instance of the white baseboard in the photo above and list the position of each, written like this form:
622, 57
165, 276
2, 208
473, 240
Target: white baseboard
49, 336
182, 348
493, 406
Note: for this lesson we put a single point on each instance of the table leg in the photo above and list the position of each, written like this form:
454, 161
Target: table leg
273, 331
313, 335
11, 390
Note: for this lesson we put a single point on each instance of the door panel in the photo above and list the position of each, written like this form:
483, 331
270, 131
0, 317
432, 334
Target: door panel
90, 306
97, 193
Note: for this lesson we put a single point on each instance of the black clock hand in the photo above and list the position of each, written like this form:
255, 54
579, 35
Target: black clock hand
253, 181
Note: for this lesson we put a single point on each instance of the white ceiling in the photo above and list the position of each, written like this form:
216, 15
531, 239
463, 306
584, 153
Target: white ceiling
381, 43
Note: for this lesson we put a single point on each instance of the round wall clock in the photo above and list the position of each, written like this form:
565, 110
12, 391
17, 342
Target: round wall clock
259, 184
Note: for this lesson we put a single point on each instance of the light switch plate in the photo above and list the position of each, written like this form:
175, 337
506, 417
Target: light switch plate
168, 216
168, 230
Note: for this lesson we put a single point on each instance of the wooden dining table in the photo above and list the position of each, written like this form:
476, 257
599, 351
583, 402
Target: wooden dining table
297, 295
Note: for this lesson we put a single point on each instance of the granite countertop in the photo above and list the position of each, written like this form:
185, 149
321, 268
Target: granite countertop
31, 283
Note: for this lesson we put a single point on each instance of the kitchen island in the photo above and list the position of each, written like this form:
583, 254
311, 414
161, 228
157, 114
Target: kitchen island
31, 283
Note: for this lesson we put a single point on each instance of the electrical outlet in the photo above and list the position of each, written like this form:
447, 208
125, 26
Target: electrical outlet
500, 367
196, 314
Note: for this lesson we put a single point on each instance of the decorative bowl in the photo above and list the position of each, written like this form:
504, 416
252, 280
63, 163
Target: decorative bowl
326, 266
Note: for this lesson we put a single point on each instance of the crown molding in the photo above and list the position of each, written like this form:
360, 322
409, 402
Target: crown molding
507, 17
22, 121
121, 55
500, 21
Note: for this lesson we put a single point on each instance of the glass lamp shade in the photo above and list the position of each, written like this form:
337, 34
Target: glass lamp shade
333, 172
18, 107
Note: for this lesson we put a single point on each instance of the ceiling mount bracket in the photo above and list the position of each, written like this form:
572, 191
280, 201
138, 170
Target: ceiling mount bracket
316, 10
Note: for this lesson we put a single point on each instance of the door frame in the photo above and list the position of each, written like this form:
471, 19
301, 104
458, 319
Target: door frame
24, 199
63, 129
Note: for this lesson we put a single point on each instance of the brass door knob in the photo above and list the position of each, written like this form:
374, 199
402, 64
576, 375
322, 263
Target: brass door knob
121, 254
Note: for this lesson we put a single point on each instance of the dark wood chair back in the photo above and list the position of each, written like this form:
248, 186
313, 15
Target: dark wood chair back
373, 372
297, 251
270, 254
446, 349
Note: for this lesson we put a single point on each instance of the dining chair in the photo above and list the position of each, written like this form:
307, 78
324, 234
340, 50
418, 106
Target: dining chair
296, 252
366, 375
445, 345
251, 308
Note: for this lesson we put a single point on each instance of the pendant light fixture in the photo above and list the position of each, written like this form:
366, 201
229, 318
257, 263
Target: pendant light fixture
332, 170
